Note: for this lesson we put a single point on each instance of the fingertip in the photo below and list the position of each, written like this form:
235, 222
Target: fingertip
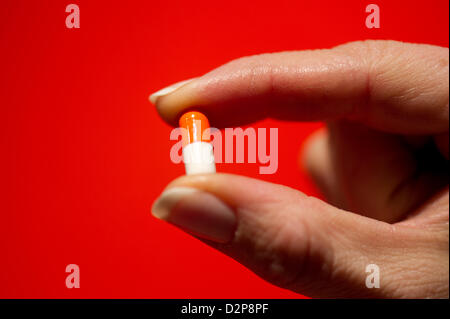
171, 100
234, 189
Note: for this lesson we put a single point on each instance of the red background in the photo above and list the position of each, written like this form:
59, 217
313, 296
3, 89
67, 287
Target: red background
84, 154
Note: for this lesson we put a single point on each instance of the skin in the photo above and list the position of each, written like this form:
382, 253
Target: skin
382, 163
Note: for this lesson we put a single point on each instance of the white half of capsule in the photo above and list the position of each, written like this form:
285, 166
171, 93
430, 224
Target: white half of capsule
198, 158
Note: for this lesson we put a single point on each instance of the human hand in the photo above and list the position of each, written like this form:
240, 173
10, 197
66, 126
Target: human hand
382, 163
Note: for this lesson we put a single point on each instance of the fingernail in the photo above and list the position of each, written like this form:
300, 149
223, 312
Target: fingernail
169, 89
198, 212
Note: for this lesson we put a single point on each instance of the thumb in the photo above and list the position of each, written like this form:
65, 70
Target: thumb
290, 239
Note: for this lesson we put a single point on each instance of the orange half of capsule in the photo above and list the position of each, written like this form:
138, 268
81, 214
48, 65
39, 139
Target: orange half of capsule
195, 124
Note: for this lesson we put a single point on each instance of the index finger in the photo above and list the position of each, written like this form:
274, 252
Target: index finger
392, 86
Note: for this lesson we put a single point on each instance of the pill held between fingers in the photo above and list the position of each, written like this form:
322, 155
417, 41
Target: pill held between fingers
198, 154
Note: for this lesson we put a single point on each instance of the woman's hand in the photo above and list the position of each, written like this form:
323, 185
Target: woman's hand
382, 162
